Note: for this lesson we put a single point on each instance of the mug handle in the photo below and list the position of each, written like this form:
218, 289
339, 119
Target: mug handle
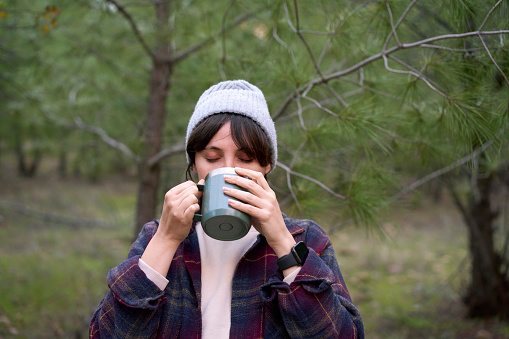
197, 216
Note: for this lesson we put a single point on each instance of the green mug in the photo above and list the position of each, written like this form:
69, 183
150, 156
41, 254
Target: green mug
219, 220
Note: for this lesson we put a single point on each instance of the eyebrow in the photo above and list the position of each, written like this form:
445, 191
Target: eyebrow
215, 148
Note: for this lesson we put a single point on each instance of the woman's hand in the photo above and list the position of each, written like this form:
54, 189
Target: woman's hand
261, 204
180, 205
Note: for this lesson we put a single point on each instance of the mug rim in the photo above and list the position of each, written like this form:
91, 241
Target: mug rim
221, 170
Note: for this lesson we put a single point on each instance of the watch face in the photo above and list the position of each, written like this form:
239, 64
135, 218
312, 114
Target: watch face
302, 252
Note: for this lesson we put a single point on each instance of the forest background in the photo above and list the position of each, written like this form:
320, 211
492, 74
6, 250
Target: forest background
391, 120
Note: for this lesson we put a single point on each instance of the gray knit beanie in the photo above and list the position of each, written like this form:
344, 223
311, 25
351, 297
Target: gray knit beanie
240, 97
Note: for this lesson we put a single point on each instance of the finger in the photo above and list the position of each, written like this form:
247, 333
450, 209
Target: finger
191, 199
191, 189
190, 207
248, 184
246, 208
244, 196
174, 198
175, 191
191, 211
255, 176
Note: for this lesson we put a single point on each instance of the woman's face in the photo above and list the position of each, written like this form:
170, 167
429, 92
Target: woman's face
222, 151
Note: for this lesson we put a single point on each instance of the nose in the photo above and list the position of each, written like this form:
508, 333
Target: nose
229, 162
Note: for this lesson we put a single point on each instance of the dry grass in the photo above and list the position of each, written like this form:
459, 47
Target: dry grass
408, 282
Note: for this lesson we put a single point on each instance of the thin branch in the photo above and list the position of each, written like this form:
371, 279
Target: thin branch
324, 50
489, 14
317, 104
374, 58
395, 27
165, 153
144, 4
415, 73
456, 50
299, 112
285, 45
450, 36
292, 192
298, 31
51, 217
391, 50
297, 152
134, 27
303, 31
305, 108
223, 32
106, 138
442, 171
178, 56
493, 60
421, 43
322, 185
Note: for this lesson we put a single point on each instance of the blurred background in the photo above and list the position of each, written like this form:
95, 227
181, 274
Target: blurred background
391, 120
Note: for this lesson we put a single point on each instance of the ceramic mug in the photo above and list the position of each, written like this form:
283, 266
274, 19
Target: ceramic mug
219, 220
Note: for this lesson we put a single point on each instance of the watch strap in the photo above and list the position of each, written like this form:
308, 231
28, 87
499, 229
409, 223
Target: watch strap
296, 257
286, 261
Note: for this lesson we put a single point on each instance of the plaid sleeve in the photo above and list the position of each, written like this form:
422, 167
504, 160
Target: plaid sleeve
133, 305
317, 303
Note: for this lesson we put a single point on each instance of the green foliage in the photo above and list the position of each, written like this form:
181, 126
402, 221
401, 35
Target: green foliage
362, 123
366, 100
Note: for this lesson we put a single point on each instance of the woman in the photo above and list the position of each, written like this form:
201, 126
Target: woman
280, 280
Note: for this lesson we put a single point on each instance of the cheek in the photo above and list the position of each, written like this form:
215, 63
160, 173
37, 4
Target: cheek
255, 166
202, 168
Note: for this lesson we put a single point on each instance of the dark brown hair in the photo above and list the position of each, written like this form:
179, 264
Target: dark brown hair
245, 132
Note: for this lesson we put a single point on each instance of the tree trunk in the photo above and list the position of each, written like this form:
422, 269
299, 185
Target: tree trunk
62, 164
25, 169
488, 292
156, 111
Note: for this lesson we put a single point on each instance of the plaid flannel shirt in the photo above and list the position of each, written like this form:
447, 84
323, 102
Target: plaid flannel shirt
316, 305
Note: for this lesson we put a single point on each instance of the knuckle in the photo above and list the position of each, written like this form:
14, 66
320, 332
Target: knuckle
251, 184
192, 199
258, 176
169, 204
249, 209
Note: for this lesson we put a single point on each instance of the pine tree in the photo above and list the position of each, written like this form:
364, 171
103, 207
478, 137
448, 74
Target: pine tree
372, 100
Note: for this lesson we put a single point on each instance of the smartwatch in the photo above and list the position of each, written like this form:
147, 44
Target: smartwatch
296, 257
